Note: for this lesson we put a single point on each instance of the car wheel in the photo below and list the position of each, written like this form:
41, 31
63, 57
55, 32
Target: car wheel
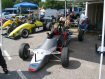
9, 30
24, 53
65, 57
33, 30
51, 27
81, 35
24, 33
44, 27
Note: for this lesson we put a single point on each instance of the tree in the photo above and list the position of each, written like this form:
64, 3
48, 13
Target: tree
52, 4
7, 3
17, 1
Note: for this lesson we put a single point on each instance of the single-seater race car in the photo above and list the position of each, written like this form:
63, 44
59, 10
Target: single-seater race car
12, 23
3, 20
25, 29
7, 23
57, 42
48, 22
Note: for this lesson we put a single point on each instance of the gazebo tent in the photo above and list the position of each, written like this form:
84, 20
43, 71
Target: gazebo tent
26, 5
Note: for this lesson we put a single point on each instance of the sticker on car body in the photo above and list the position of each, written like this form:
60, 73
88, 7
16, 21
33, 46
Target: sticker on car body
39, 29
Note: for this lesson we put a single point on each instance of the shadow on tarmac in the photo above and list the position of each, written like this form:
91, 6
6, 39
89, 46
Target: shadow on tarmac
86, 50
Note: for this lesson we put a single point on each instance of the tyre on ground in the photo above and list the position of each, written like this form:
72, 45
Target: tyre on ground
24, 52
65, 57
81, 35
24, 33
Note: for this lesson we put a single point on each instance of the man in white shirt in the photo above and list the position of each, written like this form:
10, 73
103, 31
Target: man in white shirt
62, 18
83, 23
42, 12
82, 18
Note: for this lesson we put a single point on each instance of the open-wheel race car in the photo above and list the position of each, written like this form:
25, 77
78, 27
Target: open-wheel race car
3, 20
7, 23
48, 22
27, 28
57, 42
20, 27
24, 29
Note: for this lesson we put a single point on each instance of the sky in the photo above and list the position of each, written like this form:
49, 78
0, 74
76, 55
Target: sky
43, 0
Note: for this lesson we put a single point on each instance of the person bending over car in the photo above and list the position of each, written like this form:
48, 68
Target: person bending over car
3, 63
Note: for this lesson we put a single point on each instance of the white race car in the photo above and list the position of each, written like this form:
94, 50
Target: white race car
57, 41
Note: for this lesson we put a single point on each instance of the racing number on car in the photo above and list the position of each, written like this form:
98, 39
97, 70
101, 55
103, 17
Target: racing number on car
39, 29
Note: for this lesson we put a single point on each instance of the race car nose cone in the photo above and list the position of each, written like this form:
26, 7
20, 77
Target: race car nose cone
32, 70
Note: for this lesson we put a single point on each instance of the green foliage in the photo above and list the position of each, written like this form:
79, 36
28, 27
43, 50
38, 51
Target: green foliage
7, 3
17, 1
47, 4
52, 4
10, 3
80, 4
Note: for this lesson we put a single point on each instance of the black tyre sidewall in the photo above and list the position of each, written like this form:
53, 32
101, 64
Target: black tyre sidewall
9, 30
24, 53
65, 57
81, 35
22, 33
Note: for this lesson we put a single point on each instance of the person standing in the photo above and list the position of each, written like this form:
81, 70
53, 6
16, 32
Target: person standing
3, 63
62, 20
83, 23
42, 12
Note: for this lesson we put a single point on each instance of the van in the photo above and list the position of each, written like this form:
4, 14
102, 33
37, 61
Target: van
9, 12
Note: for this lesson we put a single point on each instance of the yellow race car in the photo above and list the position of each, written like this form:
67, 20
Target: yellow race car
14, 20
7, 23
27, 28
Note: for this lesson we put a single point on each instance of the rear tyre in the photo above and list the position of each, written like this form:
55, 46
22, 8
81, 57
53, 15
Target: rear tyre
51, 27
65, 57
24, 33
24, 53
81, 35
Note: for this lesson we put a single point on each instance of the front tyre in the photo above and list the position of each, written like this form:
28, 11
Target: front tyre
65, 57
81, 35
24, 52
24, 33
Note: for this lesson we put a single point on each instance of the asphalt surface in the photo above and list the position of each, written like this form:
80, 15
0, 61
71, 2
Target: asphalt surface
84, 62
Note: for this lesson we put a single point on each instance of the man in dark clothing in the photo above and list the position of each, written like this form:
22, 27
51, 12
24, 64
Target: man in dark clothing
3, 63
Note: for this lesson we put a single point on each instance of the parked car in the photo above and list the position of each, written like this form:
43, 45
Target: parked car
48, 22
9, 12
27, 28
56, 43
